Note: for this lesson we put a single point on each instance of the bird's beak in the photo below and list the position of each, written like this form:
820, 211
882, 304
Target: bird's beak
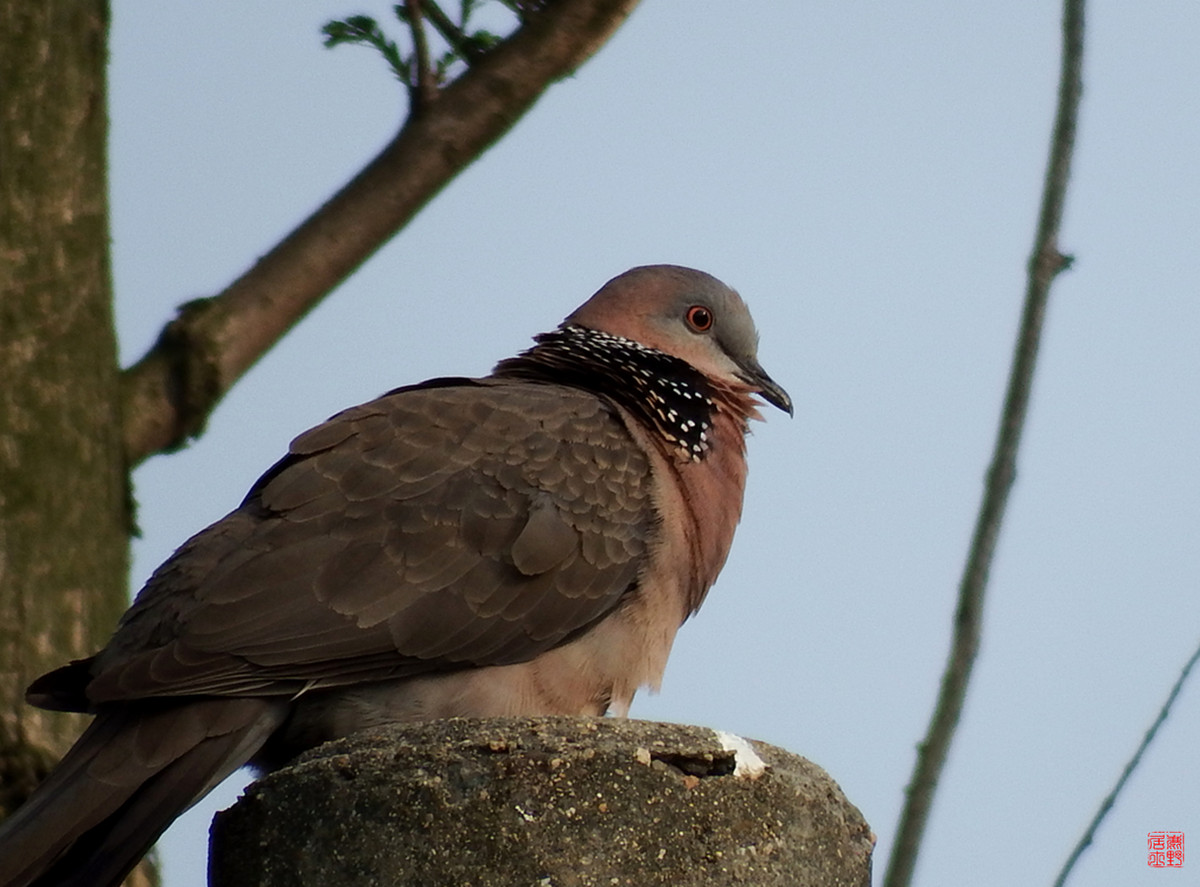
771, 391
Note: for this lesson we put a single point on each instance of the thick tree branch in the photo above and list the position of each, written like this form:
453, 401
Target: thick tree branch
1044, 265
169, 392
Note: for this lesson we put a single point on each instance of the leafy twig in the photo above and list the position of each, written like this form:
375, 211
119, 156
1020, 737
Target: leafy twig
362, 30
418, 71
1110, 799
1044, 265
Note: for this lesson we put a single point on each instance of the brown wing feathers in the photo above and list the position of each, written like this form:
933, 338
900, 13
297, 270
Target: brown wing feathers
526, 543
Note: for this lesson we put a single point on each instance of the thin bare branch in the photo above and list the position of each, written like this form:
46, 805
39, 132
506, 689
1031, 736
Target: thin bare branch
169, 392
1110, 799
451, 33
1044, 265
424, 88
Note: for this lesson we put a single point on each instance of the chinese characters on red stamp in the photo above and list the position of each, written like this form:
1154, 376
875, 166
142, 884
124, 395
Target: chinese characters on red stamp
1164, 850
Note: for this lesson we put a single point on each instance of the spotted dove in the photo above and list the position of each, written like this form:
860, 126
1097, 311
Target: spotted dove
526, 543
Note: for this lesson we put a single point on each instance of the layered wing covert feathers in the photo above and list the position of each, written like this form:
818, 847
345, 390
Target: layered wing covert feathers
437, 527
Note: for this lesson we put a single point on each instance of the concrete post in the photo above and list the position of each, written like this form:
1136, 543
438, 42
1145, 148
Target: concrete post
543, 802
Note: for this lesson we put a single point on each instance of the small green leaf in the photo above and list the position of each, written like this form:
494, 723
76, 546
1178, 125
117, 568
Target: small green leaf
362, 30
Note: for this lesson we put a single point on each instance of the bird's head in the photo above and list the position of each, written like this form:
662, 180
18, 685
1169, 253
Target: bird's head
689, 315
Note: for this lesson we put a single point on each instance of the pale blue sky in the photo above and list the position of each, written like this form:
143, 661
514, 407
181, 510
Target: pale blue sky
866, 175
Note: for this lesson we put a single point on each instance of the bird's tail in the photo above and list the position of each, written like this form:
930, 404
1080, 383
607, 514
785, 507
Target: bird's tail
131, 773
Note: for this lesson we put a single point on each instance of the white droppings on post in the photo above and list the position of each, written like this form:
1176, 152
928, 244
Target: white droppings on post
749, 764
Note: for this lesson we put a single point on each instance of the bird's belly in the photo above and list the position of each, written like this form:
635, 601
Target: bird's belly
590, 676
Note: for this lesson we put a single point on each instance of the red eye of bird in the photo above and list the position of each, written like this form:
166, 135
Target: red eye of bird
700, 318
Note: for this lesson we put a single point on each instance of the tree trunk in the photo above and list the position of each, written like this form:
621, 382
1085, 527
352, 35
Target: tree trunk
64, 507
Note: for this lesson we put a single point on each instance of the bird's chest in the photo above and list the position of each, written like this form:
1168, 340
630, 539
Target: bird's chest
698, 503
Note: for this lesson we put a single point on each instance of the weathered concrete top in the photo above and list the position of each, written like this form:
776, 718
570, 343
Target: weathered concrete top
543, 802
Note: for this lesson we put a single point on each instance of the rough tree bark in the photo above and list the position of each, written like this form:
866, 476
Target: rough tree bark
64, 512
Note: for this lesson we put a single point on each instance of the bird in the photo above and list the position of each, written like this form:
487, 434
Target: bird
524, 543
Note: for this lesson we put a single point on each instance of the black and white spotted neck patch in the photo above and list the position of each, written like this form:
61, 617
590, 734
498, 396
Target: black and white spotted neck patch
667, 393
